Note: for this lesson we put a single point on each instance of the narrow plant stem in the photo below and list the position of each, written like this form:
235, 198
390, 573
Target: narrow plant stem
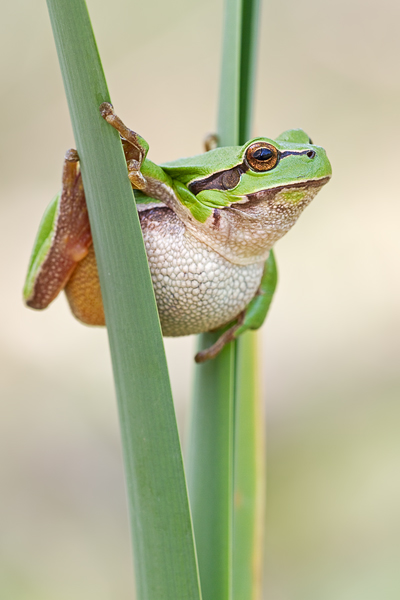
248, 63
210, 470
226, 456
249, 473
164, 553
211, 450
229, 93
249, 446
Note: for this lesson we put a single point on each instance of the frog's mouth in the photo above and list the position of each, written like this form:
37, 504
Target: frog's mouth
291, 193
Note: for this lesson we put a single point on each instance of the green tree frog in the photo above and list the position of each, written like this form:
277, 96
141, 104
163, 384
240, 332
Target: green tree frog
208, 221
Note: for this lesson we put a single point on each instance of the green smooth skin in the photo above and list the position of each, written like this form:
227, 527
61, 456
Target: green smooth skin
176, 177
42, 244
257, 309
295, 168
291, 169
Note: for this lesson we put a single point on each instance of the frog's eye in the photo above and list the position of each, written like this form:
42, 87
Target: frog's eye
262, 156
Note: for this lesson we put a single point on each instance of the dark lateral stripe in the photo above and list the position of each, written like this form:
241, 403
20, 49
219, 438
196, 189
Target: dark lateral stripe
228, 179
223, 180
291, 152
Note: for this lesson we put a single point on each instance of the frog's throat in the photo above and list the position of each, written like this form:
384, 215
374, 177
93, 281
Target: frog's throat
244, 233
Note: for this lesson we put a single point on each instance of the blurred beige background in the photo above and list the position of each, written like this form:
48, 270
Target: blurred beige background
331, 344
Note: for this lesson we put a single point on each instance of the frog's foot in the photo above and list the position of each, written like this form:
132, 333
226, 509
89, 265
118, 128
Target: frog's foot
71, 156
63, 240
228, 336
210, 142
135, 147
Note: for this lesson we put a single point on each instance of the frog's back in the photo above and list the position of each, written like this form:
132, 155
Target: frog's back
201, 165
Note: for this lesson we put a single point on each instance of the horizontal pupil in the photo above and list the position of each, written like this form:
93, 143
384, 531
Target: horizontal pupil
262, 154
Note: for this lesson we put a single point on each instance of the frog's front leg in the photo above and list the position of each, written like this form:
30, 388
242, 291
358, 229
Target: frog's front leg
135, 151
254, 314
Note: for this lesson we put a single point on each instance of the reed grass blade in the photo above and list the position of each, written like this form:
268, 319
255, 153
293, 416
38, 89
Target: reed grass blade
226, 482
211, 451
164, 553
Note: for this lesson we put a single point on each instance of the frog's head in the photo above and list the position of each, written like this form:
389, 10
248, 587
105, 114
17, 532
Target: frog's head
290, 169
247, 197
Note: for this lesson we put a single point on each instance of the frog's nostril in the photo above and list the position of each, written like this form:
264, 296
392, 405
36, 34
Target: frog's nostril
311, 154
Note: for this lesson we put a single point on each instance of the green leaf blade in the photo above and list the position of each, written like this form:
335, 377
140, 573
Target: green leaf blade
249, 473
249, 462
164, 552
232, 467
210, 469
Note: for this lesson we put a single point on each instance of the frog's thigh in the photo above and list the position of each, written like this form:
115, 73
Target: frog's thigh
83, 291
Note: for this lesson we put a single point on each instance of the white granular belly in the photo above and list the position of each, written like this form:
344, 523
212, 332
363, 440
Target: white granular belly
196, 289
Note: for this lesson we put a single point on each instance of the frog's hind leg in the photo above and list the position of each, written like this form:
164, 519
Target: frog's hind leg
228, 336
83, 291
63, 240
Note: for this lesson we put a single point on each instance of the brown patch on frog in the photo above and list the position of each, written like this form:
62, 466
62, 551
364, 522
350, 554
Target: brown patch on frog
216, 218
162, 219
154, 214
